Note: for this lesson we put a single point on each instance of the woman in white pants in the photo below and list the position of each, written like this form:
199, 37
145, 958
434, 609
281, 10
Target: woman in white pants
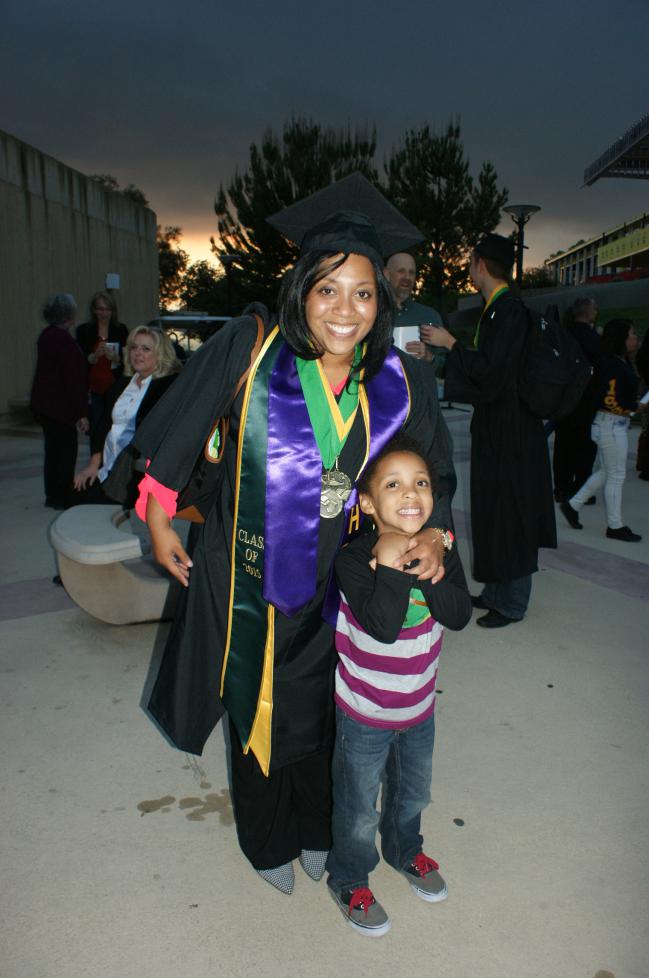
615, 401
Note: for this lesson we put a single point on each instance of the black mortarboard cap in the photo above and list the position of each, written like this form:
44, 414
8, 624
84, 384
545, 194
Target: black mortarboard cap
498, 248
350, 215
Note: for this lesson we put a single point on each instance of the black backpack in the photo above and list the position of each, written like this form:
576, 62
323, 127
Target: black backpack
554, 371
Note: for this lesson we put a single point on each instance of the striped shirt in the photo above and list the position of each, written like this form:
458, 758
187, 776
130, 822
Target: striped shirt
386, 685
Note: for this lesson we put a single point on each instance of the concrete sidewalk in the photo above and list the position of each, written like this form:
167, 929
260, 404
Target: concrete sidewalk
120, 857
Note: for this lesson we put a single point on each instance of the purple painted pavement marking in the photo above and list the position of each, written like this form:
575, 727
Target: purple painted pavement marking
621, 574
24, 599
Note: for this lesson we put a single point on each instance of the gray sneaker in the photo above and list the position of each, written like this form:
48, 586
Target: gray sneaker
362, 911
424, 879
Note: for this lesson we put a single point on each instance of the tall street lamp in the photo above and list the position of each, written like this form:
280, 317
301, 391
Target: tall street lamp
520, 215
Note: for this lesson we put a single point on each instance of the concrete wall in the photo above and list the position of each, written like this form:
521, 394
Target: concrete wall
61, 232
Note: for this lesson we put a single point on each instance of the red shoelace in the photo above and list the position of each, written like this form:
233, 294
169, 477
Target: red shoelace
361, 897
424, 864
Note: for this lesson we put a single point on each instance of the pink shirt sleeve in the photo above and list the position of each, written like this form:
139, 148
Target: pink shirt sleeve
165, 496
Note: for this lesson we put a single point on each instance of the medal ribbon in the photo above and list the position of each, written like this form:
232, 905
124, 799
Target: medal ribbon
385, 403
496, 294
331, 420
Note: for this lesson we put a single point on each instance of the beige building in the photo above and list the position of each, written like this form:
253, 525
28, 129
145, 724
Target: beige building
62, 232
621, 249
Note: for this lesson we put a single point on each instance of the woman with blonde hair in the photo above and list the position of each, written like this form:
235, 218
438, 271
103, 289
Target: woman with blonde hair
150, 367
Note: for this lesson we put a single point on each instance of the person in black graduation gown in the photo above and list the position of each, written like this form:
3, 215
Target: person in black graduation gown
512, 509
335, 298
574, 450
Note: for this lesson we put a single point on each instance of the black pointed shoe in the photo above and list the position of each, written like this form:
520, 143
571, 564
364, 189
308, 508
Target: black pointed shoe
494, 619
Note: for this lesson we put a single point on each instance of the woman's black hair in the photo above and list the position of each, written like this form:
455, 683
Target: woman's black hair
400, 443
296, 285
615, 335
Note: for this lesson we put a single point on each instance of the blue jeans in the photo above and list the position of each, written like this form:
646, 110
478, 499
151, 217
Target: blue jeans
364, 758
510, 598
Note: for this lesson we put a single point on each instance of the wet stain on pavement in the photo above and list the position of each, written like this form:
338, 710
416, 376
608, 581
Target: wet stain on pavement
155, 804
214, 804
196, 808
604, 974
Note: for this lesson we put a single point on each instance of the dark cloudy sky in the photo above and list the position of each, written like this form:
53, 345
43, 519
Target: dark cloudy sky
170, 94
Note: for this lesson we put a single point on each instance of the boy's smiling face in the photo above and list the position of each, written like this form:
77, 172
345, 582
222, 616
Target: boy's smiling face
400, 497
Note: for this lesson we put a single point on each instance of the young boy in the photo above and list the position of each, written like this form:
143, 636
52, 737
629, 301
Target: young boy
388, 638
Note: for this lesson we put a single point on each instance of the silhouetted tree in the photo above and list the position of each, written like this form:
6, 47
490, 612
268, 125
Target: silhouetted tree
204, 288
537, 278
108, 182
430, 182
283, 169
172, 262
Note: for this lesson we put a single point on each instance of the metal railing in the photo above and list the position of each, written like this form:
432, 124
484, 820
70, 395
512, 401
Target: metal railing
619, 147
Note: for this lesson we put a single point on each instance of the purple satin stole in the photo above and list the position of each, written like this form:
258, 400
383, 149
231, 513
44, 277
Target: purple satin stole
294, 475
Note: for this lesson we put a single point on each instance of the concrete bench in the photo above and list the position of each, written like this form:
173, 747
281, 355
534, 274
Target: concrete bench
103, 569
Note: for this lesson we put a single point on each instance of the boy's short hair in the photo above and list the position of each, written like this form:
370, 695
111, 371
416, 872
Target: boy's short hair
400, 443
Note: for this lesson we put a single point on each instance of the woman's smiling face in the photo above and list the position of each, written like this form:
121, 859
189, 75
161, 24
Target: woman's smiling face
341, 307
143, 354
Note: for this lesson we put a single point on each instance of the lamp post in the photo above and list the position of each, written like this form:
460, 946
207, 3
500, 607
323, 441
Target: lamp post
228, 261
520, 215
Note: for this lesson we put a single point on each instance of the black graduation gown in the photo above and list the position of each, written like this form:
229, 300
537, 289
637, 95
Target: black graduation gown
512, 509
185, 698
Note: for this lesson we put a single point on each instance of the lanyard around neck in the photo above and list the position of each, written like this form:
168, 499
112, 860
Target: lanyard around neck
331, 420
496, 294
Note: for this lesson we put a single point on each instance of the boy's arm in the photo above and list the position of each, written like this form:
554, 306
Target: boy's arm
378, 599
449, 600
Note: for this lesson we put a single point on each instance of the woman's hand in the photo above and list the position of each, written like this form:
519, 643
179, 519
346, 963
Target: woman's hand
428, 549
165, 543
389, 548
437, 336
88, 475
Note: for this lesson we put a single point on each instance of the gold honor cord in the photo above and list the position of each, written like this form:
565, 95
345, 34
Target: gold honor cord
342, 427
242, 425
496, 294
365, 410
259, 741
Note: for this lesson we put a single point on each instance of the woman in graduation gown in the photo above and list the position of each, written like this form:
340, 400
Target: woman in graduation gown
324, 393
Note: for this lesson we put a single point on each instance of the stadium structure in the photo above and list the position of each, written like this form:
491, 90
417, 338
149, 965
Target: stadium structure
622, 252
